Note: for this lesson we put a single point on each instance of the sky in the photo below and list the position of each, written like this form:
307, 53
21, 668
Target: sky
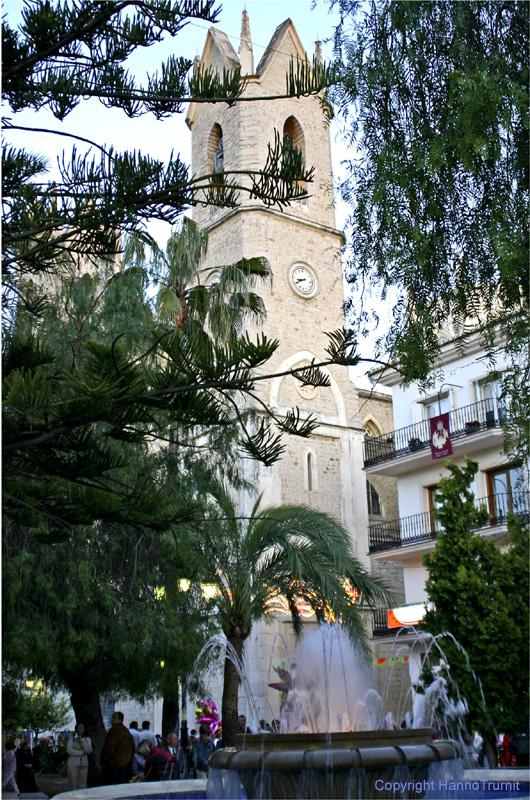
159, 138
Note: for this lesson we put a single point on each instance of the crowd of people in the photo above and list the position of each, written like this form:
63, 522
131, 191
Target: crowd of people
133, 754
21, 761
128, 754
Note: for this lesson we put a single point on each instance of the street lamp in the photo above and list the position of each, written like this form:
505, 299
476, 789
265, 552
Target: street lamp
454, 385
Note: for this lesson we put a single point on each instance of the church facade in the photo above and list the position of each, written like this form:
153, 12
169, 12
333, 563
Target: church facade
304, 301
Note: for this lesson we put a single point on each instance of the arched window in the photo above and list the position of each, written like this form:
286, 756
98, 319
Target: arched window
216, 153
372, 499
293, 138
310, 470
371, 429
293, 135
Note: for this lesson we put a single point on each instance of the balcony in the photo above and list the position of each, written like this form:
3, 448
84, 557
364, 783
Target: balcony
463, 422
380, 623
421, 528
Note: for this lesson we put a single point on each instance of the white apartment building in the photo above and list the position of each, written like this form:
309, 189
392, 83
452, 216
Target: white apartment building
468, 389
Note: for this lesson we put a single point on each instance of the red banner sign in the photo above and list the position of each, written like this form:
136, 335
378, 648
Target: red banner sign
441, 446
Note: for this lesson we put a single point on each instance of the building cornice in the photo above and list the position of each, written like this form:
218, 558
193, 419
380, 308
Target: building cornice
372, 394
281, 214
449, 352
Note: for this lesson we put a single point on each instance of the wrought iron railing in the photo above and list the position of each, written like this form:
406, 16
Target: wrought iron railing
389, 534
380, 623
462, 421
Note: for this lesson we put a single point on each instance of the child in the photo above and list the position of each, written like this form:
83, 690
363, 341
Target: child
9, 765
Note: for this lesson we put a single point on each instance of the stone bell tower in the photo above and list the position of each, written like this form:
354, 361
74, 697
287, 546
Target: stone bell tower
303, 248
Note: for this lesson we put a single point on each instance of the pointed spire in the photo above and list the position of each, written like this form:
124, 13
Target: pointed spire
318, 53
246, 56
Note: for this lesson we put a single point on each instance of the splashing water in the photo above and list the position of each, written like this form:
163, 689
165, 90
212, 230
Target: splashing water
331, 688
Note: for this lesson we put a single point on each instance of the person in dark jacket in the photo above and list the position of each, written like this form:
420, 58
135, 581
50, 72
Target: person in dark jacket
174, 749
25, 771
159, 765
202, 751
117, 752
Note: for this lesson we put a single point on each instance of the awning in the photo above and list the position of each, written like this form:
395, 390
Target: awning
406, 615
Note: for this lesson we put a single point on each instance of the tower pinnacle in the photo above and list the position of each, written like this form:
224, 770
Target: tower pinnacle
246, 56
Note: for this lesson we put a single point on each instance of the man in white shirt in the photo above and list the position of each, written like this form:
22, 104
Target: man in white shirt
145, 733
135, 733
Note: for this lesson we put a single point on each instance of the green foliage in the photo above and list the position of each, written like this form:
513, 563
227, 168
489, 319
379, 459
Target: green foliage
435, 100
96, 378
219, 299
92, 377
96, 517
31, 708
480, 596
89, 606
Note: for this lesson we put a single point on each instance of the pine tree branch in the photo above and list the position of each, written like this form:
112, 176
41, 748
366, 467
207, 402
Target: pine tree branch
8, 126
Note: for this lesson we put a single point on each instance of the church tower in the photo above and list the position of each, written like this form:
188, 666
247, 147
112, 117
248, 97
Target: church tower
305, 300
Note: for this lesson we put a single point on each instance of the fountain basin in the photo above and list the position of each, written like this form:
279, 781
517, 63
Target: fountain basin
335, 766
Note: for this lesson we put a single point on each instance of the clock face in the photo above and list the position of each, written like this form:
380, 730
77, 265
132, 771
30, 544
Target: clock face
303, 281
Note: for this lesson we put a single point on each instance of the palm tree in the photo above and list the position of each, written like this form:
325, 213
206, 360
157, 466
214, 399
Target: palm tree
293, 551
219, 299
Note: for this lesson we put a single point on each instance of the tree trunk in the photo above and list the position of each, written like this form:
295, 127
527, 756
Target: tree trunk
230, 695
170, 702
170, 717
87, 709
490, 751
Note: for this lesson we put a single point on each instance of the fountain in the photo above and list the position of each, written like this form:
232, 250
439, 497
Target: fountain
331, 744
338, 765
363, 757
